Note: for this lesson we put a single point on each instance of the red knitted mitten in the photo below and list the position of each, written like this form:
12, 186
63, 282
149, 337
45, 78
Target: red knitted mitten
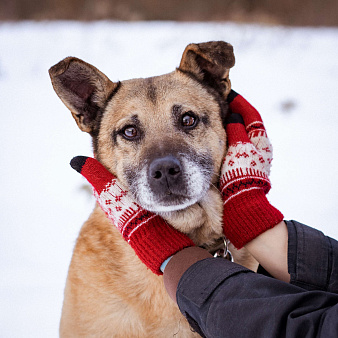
152, 239
245, 175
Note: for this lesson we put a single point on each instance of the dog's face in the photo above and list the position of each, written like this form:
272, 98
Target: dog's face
163, 137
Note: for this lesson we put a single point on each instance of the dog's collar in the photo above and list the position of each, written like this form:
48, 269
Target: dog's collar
221, 250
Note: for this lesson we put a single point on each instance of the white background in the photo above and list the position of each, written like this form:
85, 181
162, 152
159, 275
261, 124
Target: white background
289, 74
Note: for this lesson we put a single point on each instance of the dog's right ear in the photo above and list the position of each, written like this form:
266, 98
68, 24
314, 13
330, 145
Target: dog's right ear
210, 63
83, 89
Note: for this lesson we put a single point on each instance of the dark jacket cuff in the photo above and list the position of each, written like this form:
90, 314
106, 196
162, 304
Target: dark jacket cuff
178, 265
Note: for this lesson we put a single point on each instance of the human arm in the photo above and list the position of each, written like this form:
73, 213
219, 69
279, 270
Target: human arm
270, 249
221, 297
249, 218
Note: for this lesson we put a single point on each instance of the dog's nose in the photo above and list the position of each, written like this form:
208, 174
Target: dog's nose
165, 171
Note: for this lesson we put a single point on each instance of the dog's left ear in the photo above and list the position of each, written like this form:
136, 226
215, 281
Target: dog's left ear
210, 63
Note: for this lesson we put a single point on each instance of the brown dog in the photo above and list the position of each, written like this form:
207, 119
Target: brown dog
163, 137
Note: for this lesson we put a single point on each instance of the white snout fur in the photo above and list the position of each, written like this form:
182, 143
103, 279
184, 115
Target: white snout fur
197, 182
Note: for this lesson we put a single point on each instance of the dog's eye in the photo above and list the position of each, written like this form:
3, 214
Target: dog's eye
130, 132
189, 120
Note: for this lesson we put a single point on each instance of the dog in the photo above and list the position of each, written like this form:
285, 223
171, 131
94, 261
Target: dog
164, 139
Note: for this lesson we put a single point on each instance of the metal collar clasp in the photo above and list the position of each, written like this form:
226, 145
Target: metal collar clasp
224, 252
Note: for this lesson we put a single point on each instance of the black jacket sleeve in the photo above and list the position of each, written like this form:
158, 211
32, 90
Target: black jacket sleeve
312, 258
223, 299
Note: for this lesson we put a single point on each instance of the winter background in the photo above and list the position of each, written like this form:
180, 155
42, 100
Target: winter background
289, 74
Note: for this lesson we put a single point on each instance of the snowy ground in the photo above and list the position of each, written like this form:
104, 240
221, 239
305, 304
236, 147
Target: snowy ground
290, 75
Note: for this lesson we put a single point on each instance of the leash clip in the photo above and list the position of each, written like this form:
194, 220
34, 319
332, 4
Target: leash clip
224, 252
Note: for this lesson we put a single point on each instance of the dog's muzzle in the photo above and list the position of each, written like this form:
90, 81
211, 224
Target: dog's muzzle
171, 182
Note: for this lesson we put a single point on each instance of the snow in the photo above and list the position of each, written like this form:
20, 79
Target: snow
289, 74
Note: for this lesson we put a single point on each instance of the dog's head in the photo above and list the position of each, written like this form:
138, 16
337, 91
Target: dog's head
163, 137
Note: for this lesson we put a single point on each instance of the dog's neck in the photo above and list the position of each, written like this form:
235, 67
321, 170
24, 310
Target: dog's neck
202, 221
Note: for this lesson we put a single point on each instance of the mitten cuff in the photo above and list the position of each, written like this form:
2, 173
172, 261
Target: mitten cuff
248, 215
155, 241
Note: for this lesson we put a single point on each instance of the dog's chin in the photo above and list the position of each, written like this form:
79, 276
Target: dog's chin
171, 208
170, 204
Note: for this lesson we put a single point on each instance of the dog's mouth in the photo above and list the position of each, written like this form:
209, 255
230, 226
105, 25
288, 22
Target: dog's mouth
171, 202
171, 183
170, 199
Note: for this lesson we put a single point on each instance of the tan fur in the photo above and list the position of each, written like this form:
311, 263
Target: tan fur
109, 292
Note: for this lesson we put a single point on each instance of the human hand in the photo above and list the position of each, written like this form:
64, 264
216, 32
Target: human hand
152, 239
245, 175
